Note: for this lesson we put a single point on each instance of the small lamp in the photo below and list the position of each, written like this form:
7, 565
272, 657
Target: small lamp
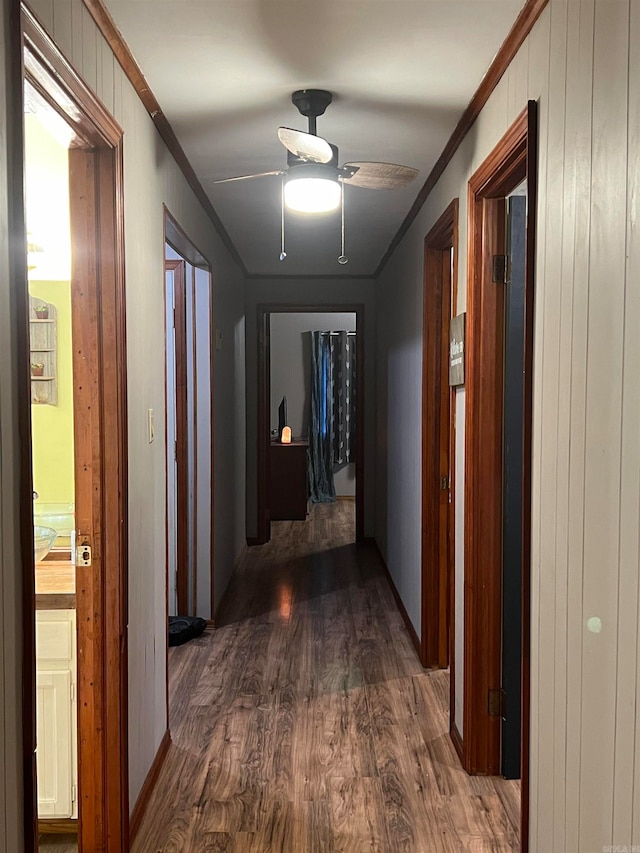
285, 438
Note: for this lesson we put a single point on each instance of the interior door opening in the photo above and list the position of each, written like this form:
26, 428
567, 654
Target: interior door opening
313, 373
189, 431
513, 414
311, 370
76, 344
190, 344
497, 507
440, 400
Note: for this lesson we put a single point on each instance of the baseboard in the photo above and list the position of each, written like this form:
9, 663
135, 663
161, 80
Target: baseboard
57, 826
403, 611
456, 738
149, 784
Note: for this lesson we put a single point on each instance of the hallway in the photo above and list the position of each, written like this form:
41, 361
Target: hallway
305, 722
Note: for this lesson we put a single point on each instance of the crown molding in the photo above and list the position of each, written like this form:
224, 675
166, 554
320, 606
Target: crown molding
521, 28
122, 53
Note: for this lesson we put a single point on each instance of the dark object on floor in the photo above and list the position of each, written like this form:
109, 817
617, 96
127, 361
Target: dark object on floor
185, 628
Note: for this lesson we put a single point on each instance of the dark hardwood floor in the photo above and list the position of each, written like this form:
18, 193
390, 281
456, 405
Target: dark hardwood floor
305, 723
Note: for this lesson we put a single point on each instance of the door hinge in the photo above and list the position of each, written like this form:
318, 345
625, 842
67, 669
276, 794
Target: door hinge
500, 269
497, 702
73, 692
74, 793
175, 451
444, 483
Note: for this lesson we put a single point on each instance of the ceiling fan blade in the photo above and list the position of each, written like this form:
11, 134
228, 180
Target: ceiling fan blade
248, 177
306, 146
379, 176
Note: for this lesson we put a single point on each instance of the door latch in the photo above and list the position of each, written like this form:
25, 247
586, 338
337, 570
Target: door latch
83, 555
444, 483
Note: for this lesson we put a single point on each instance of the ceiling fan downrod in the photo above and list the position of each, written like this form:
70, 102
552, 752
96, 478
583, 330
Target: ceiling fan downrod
311, 103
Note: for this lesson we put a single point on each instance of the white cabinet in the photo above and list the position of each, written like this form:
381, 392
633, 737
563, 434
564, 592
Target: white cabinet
56, 713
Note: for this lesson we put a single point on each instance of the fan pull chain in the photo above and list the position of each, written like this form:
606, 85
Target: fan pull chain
343, 259
283, 254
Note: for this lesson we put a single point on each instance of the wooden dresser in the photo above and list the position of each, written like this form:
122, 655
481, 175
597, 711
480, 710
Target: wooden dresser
288, 490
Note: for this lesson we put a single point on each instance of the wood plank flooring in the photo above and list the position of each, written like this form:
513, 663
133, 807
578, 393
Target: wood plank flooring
305, 723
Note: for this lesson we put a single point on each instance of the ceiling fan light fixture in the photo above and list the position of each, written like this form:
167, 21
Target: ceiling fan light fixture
312, 194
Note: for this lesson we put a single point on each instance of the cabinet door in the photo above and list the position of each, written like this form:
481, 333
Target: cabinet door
54, 739
56, 713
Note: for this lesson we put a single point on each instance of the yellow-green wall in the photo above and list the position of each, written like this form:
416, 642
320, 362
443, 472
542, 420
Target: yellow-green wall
53, 425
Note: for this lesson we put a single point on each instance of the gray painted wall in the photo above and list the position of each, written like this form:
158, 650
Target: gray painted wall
320, 293
291, 375
152, 179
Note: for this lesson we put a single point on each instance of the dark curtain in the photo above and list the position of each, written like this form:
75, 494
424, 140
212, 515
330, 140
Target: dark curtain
332, 417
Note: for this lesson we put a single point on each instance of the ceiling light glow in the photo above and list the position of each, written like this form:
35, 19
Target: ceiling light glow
312, 195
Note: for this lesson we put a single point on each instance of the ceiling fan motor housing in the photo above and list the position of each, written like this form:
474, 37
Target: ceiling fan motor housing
311, 102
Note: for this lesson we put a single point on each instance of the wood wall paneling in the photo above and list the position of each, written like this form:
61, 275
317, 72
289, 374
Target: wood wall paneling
603, 418
631, 415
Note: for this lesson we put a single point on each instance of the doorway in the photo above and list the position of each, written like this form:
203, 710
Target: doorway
275, 384
189, 349
79, 401
498, 458
438, 648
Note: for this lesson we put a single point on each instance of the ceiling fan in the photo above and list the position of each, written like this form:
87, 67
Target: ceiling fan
313, 179
313, 176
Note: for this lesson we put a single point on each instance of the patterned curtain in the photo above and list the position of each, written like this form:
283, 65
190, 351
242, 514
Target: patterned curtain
343, 371
332, 419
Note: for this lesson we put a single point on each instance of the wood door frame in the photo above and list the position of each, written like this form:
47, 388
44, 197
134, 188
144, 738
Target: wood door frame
438, 437
264, 312
182, 477
96, 174
179, 240
511, 161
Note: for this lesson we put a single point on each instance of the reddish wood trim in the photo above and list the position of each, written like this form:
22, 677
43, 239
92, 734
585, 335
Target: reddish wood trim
399, 602
177, 237
107, 27
436, 414
452, 506
115, 470
56, 79
457, 741
527, 456
521, 28
263, 313
503, 169
149, 784
182, 449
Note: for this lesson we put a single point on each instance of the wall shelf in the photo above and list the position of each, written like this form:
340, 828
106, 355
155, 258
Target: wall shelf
43, 345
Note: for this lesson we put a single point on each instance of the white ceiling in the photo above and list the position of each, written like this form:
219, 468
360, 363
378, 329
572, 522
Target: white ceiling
401, 71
